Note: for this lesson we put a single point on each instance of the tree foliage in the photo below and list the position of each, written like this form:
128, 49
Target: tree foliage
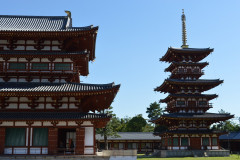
154, 111
136, 124
226, 126
110, 129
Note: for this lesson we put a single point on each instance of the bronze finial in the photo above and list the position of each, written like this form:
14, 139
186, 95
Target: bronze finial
68, 13
184, 32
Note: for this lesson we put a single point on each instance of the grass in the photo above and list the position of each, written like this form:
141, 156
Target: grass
232, 157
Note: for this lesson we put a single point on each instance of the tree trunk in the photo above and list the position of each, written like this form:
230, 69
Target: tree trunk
105, 138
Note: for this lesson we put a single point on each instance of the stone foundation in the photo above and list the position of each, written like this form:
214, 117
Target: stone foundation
191, 153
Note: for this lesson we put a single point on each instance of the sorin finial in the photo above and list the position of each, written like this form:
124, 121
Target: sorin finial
184, 32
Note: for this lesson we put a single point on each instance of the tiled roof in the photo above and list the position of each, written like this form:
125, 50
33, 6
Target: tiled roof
37, 23
190, 49
131, 136
208, 96
230, 136
52, 87
197, 115
49, 115
207, 131
195, 81
41, 52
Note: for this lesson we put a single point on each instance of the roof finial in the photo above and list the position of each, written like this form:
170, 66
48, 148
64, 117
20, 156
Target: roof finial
184, 32
69, 21
68, 13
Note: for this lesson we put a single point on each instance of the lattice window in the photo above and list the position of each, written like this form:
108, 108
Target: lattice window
180, 103
175, 141
205, 141
40, 66
214, 141
202, 103
17, 66
15, 137
62, 66
40, 137
184, 141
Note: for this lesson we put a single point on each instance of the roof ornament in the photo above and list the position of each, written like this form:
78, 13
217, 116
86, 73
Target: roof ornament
69, 20
184, 32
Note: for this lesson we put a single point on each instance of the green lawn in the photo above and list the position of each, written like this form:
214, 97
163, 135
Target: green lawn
233, 156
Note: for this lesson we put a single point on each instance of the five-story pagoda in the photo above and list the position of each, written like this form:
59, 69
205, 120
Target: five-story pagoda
188, 120
44, 109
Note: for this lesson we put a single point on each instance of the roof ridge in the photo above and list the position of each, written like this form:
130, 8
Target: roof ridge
29, 16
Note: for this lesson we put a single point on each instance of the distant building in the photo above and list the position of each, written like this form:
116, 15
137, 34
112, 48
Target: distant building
231, 141
142, 141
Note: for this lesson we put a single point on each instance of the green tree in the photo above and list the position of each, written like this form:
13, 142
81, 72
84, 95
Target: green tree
226, 126
136, 124
154, 111
148, 128
110, 130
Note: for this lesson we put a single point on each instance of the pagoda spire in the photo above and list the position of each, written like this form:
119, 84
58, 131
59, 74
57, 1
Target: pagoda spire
184, 31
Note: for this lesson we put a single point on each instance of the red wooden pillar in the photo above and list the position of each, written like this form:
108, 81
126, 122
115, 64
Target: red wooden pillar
80, 136
2, 140
52, 140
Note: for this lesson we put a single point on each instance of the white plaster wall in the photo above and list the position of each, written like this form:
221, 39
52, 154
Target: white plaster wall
19, 48
62, 123
12, 106
72, 123
20, 42
3, 42
89, 136
21, 124
24, 106
87, 123
47, 124
7, 124
30, 42
55, 48
67, 60
37, 124
58, 60
88, 150
46, 48
30, 48
72, 106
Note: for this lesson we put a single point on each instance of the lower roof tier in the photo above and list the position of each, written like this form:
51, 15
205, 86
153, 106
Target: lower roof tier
173, 65
42, 116
99, 120
186, 96
207, 131
213, 117
26, 87
88, 97
176, 85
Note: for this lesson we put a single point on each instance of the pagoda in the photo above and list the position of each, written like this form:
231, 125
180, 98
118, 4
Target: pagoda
44, 109
188, 122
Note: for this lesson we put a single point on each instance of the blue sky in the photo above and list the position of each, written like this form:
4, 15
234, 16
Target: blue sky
134, 34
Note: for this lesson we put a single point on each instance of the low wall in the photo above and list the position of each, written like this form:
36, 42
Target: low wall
191, 153
119, 154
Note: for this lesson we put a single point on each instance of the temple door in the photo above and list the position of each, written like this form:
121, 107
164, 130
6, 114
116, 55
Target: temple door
195, 143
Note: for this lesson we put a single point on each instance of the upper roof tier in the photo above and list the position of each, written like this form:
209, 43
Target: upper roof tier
175, 64
38, 23
186, 54
171, 97
174, 85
